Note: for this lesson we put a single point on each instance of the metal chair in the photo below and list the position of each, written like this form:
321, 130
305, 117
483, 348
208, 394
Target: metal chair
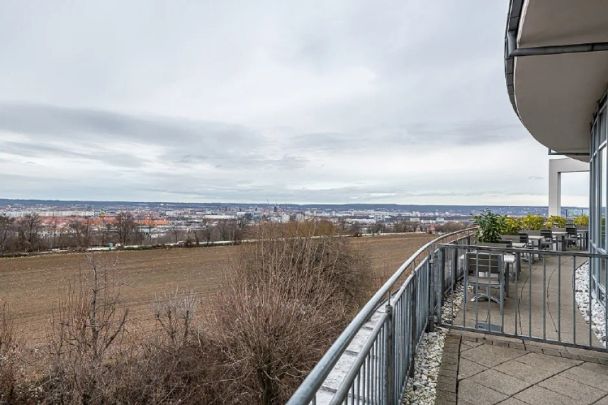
572, 237
486, 272
525, 239
547, 241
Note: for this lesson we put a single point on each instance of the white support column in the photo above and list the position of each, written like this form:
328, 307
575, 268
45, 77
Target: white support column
556, 168
555, 191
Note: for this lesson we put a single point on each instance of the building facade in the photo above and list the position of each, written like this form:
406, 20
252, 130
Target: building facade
556, 68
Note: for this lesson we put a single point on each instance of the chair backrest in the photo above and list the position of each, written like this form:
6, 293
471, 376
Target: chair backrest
484, 263
524, 238
500, 243
509, 238
546, 233
571, 231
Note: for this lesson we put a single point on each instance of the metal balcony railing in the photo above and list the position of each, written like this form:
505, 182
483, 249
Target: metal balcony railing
543, 295
401, 309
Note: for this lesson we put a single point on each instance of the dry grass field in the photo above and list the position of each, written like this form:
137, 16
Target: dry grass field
32, 286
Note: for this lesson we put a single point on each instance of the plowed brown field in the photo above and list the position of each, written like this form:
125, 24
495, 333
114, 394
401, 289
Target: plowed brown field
33, 285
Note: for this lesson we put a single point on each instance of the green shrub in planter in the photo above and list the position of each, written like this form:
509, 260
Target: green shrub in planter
581, 220
490, 226
511, 226
533, 222
555, 221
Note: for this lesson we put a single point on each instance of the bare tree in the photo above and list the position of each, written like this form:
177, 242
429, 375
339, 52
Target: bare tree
52, 228
126, 228
208, 233
175, 232
230, 229
355, 229
150, 225
29, 232
405, 226
7, 230
81, 231
87, 325
377, 228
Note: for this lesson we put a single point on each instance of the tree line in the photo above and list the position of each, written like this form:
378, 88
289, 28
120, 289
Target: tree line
30, 233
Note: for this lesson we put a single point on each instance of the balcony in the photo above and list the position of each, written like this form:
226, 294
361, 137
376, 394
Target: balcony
535, 300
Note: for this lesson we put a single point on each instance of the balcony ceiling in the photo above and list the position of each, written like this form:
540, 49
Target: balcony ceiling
556, 96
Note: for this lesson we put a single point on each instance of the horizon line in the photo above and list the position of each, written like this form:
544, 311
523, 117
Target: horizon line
276, 204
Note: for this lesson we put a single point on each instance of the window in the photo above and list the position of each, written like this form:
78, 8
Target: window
598, 200
602, 188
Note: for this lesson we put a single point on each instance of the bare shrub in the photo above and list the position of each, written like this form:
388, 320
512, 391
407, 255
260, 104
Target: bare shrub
176, 364
291, 295
8, 358
86, 329
174, 313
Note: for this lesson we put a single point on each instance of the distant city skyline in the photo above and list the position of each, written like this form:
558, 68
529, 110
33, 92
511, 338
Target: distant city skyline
287, 102
4, 202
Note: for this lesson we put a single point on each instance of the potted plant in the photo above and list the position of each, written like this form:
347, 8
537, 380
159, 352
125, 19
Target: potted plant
490, 226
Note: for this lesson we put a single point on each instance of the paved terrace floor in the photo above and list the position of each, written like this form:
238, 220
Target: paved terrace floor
540, 304
488, 369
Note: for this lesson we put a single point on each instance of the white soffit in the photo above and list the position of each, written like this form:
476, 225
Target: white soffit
563, 22
556, 95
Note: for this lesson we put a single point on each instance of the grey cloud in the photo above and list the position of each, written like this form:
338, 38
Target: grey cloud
51, 122
39, 149
466, 132
311, 101
182, 141
428, 134
244, 160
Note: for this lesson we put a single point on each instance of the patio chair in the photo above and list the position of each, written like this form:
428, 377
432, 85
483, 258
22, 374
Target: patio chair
525, 239
547, 241
486, 272
572, 237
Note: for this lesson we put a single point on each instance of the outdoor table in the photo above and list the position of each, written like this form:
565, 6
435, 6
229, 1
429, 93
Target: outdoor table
580, 232
562, 237
509, 260
535, 239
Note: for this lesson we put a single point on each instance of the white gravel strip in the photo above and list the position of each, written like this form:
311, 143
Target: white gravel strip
422, 388
598, 314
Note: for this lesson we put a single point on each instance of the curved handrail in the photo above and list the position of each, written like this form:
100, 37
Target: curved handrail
309, 387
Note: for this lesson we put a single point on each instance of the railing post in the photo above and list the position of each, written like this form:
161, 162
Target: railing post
432, 302
441, 278
455, 269
414, 326
389, 353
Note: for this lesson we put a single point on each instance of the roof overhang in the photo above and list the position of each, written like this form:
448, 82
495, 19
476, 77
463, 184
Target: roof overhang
556, 66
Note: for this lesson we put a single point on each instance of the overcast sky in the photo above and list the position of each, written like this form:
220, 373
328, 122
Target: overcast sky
267, 101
